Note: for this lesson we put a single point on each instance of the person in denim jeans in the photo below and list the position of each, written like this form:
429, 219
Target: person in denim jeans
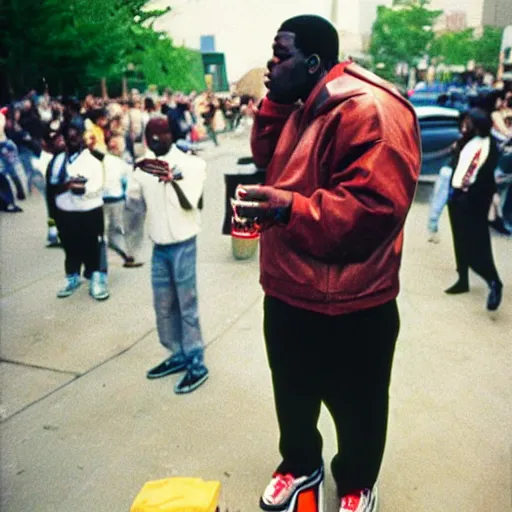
171, 200
438, 201
442, 187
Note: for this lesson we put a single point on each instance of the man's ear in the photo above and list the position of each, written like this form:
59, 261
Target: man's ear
313, 63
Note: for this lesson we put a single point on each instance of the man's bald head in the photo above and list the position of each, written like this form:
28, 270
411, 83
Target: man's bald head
158, 136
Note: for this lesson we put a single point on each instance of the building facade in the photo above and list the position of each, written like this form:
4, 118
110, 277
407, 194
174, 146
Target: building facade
497, 13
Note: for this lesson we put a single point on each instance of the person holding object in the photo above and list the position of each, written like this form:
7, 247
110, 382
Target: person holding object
473, 187
75, 184
168, 184
342, 152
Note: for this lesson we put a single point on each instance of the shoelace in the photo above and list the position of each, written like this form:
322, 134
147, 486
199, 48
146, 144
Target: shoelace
283, 483
351, 501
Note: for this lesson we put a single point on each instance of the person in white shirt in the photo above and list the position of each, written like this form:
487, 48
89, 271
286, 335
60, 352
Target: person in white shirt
76, 177
473, 187
172, 203
116, 174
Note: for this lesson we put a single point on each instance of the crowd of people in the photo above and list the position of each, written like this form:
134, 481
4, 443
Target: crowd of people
37, 131
94, 162
115, 126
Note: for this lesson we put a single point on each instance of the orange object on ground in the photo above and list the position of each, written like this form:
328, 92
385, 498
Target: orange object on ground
309, 500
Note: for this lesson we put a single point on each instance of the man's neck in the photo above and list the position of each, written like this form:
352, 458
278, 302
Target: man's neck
159, 155
3, 137
74, 152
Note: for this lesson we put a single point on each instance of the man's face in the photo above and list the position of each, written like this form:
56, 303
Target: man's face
102, 121
467, 127
115, 146
73, 140
287, 78
57, 144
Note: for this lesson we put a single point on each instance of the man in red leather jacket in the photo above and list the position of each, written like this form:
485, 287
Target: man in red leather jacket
342, 152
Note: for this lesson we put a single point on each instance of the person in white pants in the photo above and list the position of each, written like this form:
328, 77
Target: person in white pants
117, 172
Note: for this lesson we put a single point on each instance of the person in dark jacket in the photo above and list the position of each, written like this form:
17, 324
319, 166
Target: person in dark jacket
341, 173
473, 187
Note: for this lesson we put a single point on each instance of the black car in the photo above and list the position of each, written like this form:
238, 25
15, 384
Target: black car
439, 128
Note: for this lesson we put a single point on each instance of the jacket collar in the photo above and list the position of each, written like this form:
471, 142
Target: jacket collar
339, 85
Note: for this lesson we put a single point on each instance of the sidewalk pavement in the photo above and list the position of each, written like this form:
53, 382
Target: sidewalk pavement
83, 429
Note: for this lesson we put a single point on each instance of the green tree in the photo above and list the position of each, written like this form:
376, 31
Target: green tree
157, 61
458, 48
454, 48
69, 45
487, 48
401, 33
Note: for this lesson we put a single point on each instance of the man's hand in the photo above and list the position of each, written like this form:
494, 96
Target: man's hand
269, 205
77, 185
156, 167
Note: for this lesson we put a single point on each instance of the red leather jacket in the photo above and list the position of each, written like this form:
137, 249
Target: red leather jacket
351, 156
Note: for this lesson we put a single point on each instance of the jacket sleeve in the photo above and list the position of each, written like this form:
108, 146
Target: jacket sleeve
268, 124
369, 191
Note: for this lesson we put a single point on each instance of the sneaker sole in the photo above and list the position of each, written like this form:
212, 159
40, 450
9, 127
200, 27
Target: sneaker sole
179, 369
65, 295
100, 297
289, 506
189, 389
374, 505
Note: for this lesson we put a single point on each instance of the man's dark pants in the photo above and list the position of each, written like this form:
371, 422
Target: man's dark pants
80, 234
343, 361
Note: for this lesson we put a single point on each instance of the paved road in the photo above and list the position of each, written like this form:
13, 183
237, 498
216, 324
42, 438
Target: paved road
83, 429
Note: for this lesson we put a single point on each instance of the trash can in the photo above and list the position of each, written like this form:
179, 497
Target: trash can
244, 242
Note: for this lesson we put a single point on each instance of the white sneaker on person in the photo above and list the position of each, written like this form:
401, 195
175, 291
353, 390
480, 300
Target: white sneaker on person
282, 491
98, 287
362, 501
72, 284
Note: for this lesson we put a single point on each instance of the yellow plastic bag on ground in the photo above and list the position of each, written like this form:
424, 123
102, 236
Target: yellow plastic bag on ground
177, 495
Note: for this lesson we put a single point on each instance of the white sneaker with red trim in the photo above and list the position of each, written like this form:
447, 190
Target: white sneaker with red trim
282, 492
363, 501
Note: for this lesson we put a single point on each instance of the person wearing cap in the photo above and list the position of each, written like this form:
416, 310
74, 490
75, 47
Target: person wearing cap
341, 148
172, 203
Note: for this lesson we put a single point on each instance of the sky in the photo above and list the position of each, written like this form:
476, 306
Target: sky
472, 8
244, 29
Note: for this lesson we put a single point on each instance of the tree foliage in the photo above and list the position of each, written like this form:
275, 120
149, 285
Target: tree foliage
70, 44
460, 47
454, 48
487, 48
402, 33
